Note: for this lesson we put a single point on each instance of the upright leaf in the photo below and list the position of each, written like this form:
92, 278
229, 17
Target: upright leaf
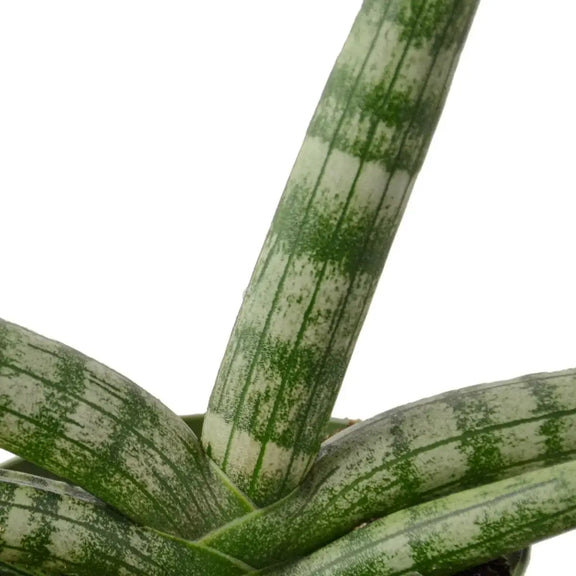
84, 422
320, 263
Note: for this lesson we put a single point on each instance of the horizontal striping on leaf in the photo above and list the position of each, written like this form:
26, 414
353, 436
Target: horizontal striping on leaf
86, 423
549, 399
328, 241
46, 529
454, 532
412, 454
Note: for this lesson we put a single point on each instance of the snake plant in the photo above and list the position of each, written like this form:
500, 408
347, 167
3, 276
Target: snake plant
108, 481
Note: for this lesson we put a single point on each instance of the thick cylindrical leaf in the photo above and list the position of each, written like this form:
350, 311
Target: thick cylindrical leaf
320, 263
193, 421
410, 454
196, 423
84, 422
454, 532
52, 528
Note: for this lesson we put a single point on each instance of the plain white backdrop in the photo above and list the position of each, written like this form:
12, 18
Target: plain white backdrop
143, 149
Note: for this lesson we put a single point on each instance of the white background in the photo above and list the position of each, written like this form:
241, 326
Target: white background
143, 149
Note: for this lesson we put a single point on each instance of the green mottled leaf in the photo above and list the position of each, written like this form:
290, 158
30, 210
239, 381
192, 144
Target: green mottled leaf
328, 242
52, 528
454, 532
193, 421
411, 454
196, 422
84, 422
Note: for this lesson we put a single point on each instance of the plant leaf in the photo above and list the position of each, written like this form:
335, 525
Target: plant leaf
84, 422
454, 532
53, 528
328, 241
196, 422
7, 570
193, 421
411, 454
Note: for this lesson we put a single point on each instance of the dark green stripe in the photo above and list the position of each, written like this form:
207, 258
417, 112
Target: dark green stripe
96, 466
99, 473
401, 460
182, 494
552, 428
37, 541
481, 448
403, 445
376, 235
278, 226
101, 540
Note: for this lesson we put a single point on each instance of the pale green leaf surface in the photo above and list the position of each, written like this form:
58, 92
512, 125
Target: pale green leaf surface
329, 239
196, 423
411, 454
84, 422
454, 532
49, 527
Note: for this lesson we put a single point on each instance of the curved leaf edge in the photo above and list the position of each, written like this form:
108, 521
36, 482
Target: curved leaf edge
52, 526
